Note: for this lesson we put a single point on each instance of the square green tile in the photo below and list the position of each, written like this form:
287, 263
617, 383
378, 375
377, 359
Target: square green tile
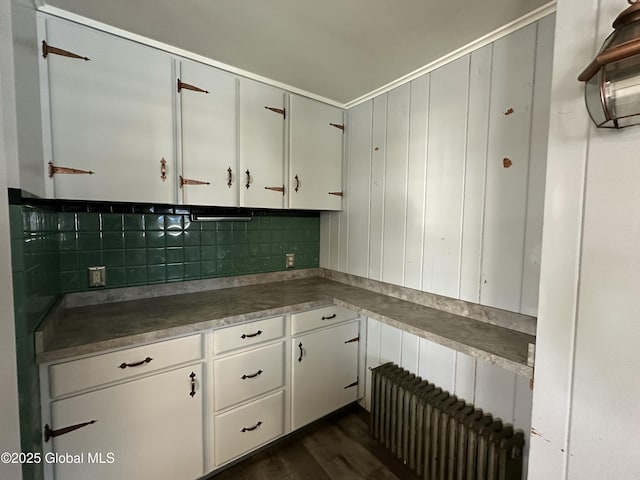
209, 237
191, 238
88, 222
224, 268
68, 261
66, 222
191, 271
134, 239
156, 256
90, 258
89, 241
112, 240
135, 257
211, 226
156, 274
71, 282
67, 241
153, 222
134, 221
175, 255
210, 269
224, 237
224, 252
240, 237
114, 258
208, 252
173, 222
191, 254
174, 238
155, 239
136, 275
116, 277
175, 272
15, 221
112, 222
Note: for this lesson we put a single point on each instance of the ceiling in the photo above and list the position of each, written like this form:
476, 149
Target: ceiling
336, 49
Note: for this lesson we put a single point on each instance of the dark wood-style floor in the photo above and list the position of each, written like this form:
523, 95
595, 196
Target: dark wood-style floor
338, 448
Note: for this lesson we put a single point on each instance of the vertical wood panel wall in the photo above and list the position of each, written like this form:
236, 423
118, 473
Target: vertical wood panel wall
444, 193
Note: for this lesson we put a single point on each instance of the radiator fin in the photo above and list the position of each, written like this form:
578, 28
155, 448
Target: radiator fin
438, 435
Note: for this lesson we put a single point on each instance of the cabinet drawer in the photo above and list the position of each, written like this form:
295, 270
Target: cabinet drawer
70, 377
249, 374
247, 334
245, 428
320, 317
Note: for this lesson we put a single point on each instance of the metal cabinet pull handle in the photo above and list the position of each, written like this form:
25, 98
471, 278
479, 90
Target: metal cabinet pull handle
301, 352
249, 429
163, 170
251, 335
229, 177
193, 384
297, 183
248, 173
124, 365
330, 317
49, 433
253, 375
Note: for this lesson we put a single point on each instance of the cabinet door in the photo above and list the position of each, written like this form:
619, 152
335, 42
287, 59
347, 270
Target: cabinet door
111, 115
261, 145
325, 372
153, 427
315, 155
209, 164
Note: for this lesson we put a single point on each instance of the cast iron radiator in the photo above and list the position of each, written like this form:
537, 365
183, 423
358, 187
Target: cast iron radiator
438, 435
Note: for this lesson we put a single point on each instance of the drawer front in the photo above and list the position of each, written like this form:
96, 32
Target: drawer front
245, 375
247, 334
245, 428
70, 377
320, 317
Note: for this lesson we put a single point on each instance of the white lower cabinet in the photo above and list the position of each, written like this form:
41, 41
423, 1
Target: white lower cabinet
244, 428
151, 428
324, 372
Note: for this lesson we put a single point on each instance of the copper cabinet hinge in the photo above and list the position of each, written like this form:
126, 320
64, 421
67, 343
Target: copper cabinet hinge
163, 170
47, 49
281, 111
354, 339
49, 433
276, 189
188, 86
188, 181
351, 385
53, 169
337, 194
337, 125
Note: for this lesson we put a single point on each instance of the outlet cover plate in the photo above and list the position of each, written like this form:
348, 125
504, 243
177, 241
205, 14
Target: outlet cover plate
97, 276
291, 260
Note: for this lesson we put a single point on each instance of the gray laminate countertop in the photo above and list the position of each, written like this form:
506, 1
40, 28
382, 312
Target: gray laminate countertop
95, 328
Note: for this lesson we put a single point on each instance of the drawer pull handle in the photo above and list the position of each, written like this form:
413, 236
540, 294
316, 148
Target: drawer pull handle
250, 429
330, 317
251, 335
49, 433
248, 174
253, 375
124, 365
193, 384
301, 352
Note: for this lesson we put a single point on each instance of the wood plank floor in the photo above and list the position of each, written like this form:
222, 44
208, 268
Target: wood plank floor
338, 448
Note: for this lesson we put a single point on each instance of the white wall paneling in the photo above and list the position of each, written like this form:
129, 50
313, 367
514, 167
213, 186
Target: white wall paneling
376, 199
357, 190
416, 181
445, 174
507, 168
395, 185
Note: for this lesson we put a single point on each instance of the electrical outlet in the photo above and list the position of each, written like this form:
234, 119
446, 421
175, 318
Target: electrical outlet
291, 260
97, 276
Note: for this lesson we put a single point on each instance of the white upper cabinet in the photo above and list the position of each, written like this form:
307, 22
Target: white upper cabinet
262, 127
315, 155
207, 98
110, 114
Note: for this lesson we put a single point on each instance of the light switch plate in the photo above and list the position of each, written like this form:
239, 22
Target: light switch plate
97, 276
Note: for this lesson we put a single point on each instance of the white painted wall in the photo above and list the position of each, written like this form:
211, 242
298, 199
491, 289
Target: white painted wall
585, 411
429, 204
9, 425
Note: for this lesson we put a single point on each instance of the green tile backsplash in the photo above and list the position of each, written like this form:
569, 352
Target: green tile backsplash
52, 250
